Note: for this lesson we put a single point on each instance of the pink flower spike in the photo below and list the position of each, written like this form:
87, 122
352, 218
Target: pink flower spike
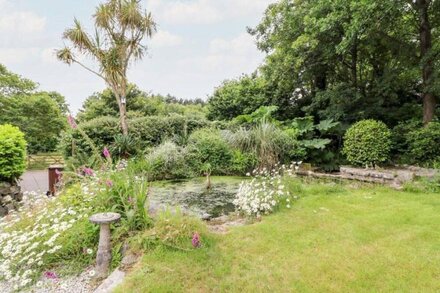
72, 122
196, 240
88, 171
106, 153
109, 183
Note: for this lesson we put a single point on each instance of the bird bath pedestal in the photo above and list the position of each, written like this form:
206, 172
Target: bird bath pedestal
104, 254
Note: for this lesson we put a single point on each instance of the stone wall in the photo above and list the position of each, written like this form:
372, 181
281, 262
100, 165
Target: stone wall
10, 195
395, 177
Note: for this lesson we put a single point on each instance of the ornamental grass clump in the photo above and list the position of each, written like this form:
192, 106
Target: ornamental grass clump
265, 191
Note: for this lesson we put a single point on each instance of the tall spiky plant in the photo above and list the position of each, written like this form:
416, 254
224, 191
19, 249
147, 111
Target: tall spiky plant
120, 28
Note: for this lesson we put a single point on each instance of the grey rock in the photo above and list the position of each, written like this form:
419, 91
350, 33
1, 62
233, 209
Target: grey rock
6, 200
3, 211
129, 260
109, 284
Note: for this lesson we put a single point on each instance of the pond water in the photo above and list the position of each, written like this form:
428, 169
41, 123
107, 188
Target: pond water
193, 197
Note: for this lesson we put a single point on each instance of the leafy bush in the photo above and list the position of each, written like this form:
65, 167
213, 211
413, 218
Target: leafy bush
206, 147
12, 153
167, 161
146, 132
424, 145
242, 162
400, 134
367, 142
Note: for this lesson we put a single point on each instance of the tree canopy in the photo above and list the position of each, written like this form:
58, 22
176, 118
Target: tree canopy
41, 116
345, 60
120, 29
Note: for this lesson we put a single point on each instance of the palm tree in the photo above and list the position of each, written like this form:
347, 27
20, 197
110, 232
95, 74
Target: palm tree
120, 28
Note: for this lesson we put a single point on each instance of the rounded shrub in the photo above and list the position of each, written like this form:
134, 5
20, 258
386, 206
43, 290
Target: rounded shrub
367, 143
424, 145
206, 147
12, 153
167, 161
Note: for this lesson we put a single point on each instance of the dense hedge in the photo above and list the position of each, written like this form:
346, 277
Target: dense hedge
424, 145
367, 143
147, 131
12, 153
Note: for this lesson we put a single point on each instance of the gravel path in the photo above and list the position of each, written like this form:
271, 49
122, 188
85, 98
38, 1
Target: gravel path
74, 284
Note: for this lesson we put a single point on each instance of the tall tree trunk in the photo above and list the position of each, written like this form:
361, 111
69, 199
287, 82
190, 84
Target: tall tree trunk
123, 115
429, 100
121, 98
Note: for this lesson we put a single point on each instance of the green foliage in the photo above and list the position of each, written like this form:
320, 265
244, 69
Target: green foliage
126, 195
207, 146
267, 142
367, 143
400, 135
145, 132
124, 146
172, 229
262, 114
38, 116
424, 185
424, 145
12, 84
320, 142
139, 104
167, 161
12, 153
242, 162
237, 97
346, 60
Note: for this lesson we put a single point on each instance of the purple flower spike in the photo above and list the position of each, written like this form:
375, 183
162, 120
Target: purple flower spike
106, 153
196, 240
50, 275
72, 122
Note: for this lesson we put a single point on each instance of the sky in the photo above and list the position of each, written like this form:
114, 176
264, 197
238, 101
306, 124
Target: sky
199, 43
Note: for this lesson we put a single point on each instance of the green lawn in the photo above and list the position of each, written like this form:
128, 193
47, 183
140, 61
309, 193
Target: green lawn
335, 238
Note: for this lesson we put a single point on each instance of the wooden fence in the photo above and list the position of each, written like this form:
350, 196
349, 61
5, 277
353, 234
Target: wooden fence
42, 161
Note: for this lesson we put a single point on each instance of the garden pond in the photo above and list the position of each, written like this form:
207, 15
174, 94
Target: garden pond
193, 197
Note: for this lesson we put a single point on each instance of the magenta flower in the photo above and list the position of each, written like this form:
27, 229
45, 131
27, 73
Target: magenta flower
130, 200
50, 275
72, 122
58, 173
196, 240
109, 183
106, 153
88, 171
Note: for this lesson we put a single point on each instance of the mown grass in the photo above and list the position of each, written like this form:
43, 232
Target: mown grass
335, 238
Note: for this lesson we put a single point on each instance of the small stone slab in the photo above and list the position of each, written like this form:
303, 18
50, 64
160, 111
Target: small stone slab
105, 218
109, 284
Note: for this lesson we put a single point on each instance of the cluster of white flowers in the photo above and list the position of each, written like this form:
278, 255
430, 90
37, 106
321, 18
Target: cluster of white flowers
29, 236
265, 191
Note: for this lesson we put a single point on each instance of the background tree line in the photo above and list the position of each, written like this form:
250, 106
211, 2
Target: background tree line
342, 60
40, 115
